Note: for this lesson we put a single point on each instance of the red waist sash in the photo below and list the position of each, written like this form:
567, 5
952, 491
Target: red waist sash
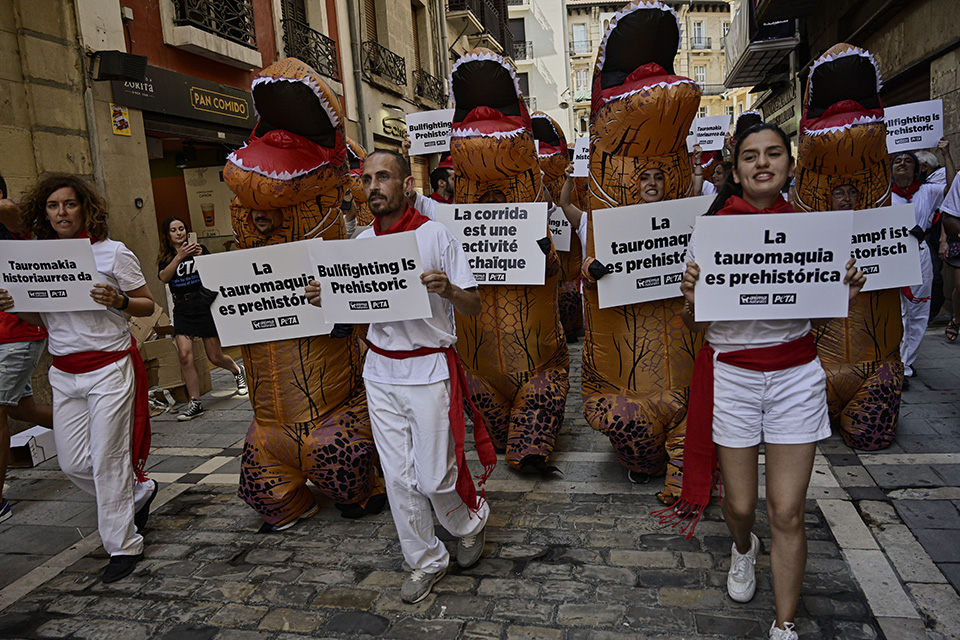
458, 427
699, 455
87, 361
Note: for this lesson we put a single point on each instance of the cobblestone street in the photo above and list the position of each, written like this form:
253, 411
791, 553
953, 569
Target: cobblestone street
576, 557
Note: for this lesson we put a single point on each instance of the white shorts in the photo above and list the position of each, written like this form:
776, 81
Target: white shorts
780, 407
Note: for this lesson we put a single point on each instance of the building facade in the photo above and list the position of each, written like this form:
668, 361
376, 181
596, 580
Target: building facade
705, 25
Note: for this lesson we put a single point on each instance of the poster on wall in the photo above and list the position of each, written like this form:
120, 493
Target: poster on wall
209, 197
120, 120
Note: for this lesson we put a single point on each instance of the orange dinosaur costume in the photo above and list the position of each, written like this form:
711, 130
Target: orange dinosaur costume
638, 359
514, 352
311, 410
843, 141
554, 157
356, 155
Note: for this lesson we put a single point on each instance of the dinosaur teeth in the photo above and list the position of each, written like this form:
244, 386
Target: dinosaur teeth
309, 82
475, 133
665, 85
635, 6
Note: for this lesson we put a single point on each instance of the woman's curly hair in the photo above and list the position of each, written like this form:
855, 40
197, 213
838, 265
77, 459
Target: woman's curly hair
34, 206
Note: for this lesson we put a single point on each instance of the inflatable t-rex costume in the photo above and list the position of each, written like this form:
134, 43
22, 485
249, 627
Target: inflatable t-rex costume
514, 352
310, 407
355, 156
638, 358
843, 141
554, 157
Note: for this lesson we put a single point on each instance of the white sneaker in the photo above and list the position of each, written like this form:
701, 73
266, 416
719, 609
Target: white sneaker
741, 579
787, 633
241, 380
418, 584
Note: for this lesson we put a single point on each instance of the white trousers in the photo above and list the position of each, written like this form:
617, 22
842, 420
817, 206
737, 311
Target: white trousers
915, 311
92, 425
411, 430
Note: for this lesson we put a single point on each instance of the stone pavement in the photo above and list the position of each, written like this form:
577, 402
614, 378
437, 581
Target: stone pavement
569, 558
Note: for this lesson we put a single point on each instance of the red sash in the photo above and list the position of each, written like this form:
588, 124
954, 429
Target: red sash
436, 196
700, 476
908, 193
737, 205
410, 220
481, 439
88, 361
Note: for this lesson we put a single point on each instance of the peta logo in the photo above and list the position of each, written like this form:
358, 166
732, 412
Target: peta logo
379, 304
672, 278
870, 269
289, 321
754, 298
784, 298
360, 306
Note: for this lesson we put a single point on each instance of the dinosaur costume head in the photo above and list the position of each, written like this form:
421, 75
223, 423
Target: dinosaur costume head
640, 109
843, 139
295, 160
491, 139
552, 150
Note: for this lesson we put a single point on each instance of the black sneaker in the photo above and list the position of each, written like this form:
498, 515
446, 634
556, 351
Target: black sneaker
241, 379
194, 410
120, 567
140, 517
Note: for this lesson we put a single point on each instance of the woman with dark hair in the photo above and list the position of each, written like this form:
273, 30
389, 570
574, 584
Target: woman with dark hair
757, 380
191, 311
100, 413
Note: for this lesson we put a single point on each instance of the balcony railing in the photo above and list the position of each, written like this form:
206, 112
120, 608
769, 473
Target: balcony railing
518, 3
582, 95
312, 47
229, 19
523, 50
580, 47
701, 43
531, 103
379, 61
711, 89
429, 87
488, 17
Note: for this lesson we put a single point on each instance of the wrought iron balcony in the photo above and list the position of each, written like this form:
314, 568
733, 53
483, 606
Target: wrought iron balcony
580, 47
701, 43
311, 46
531, 103
711, 89
488, 18
229, 19
523, 50
429, 87
518, 3
379, 61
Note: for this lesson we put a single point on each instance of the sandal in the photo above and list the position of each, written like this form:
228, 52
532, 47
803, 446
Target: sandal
952, 331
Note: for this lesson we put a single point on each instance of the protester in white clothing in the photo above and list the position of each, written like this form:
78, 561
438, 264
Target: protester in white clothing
412, 390
926, 199
97, 370
950, 244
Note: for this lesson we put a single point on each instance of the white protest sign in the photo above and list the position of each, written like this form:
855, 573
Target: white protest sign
262, 294
581, 157
885, 251
918, 125
49, 275
560, 229
500, 239
358, 288
429, 131
773, 266
643, 245
708, 132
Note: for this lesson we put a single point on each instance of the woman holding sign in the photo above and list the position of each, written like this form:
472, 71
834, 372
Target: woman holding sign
100, 411
191, 312
756, 381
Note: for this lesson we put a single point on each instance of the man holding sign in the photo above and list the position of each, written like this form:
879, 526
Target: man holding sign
414, 384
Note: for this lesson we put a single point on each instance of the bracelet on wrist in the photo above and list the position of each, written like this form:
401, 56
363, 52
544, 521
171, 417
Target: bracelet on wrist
688, 307
126, 301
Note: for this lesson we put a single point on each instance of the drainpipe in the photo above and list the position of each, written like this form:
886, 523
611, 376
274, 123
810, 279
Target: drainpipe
444, 52
354, 16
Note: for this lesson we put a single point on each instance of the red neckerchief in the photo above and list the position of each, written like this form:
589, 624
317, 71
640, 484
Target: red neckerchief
481, 439
436, 196
699, 455
410, 220
82, 234
737, 205
906, 194
88, 361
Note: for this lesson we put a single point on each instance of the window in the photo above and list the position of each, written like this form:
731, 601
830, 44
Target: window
740, 109
698, 36
580, 44
700, 74
728, 110
524, 83
582, 80
703, 112
726, 29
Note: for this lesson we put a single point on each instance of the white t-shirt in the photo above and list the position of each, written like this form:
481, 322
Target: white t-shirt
925, 203
107, 330
733, 335
582, 232
426, 206
709, 189
439, 250
951, 204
